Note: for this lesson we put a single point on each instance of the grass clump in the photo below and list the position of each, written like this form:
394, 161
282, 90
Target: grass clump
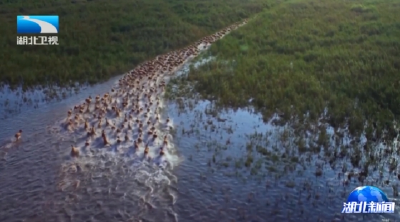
309, 59
360, 8
100, 38
249, 160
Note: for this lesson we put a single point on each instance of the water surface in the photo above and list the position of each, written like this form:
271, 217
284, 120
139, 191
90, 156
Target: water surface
209, 180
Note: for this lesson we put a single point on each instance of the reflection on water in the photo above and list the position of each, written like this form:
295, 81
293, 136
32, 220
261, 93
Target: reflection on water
16, 101
218, 182
227, 166
211, 184
40, 182
43, 183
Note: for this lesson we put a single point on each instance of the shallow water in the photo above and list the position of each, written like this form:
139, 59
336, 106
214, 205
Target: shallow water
222, 191
208, 179
41, 182
114, 189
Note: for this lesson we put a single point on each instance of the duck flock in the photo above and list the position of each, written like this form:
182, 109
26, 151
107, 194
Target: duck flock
128, 118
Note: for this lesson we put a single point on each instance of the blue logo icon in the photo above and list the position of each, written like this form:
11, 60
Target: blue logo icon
37, 24
368, 199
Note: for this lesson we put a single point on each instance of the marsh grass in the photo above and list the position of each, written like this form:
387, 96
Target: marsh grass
303, 150
99, 39
276, 153
334, 61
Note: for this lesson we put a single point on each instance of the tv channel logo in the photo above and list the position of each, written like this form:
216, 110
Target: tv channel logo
37, 24
368, 199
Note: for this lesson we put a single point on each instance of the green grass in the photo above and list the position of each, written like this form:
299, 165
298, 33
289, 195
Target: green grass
304, 56
102, 38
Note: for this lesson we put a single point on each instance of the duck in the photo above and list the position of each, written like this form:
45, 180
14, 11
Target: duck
74, 151
70, 123
119, 139
18, 135
139, 139
105, 140
165, 142
87, 143
146, 150
88, 100
92, 131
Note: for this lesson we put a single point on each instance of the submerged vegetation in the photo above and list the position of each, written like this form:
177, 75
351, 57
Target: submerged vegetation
307, 60
318, 163
99, 38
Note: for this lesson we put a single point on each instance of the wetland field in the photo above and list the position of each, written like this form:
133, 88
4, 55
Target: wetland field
279, 120
99, 39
